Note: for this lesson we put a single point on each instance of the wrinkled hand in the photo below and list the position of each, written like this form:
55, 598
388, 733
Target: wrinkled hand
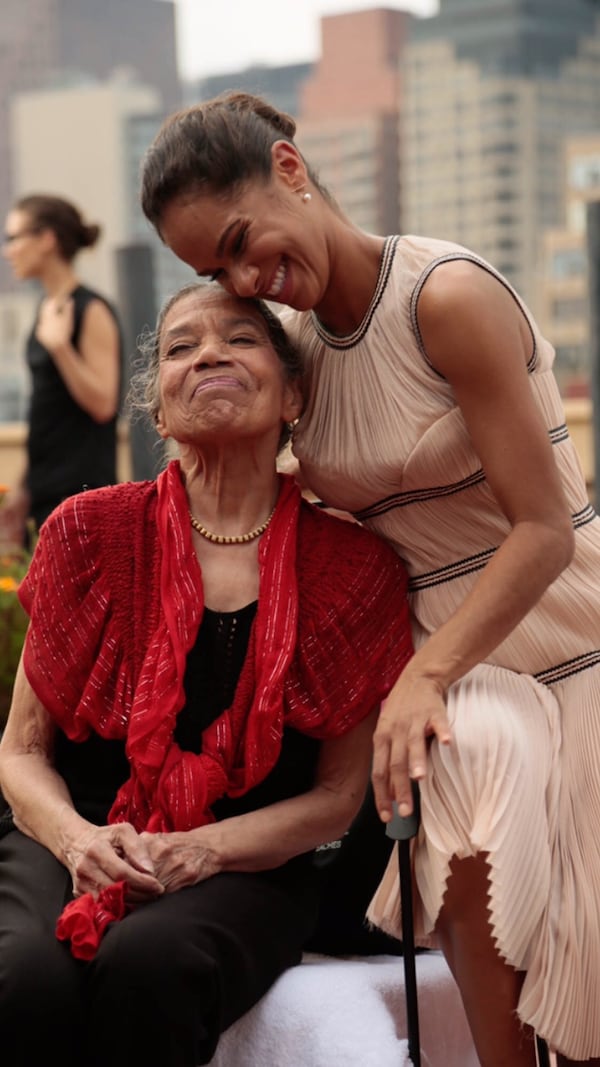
413, 712
182, 858
55, 323
102, 855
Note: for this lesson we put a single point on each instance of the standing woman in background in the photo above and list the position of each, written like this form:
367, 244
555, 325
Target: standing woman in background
74, 357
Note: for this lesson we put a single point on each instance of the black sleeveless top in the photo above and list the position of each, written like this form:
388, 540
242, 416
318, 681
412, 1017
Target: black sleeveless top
94, 769
67, 450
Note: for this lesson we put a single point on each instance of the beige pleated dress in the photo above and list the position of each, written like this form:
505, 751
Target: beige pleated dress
382, 437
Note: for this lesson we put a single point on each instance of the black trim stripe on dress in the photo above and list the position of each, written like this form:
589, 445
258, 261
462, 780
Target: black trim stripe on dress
559, 433
417, 496
471, 258
451, 571
581, 518
351, 339
560, 671
469, 564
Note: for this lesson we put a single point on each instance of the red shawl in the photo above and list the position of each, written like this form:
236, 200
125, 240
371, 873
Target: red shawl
115, 597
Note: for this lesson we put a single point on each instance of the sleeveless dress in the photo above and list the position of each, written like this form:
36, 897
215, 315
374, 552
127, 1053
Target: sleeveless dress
382, 437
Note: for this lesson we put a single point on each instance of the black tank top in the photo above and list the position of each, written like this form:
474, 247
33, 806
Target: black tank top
94, 769
67, 450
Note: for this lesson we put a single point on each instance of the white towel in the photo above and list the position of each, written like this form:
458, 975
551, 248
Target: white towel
351, 1013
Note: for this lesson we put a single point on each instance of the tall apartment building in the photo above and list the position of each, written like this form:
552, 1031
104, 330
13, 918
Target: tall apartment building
349, 113
491, 90
564, 296
280, 85
45, 43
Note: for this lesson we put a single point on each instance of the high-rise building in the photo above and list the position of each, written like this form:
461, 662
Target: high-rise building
49, 43
281, 86
491, 90
564, 298
349, 114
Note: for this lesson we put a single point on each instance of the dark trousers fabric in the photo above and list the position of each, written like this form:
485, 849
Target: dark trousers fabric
350, 875
167, 979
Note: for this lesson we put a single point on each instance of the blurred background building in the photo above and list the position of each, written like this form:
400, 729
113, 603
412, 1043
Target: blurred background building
479, 124
492, 90
84, 86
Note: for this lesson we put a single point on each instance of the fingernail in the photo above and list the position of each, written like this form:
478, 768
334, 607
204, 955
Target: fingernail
403, 810
417, 771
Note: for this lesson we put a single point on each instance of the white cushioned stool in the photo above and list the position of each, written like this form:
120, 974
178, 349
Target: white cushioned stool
351, 1013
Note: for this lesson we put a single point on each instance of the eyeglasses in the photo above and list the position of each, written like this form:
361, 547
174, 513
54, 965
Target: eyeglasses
8, 238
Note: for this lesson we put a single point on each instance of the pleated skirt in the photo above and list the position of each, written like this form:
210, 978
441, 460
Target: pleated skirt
521, 783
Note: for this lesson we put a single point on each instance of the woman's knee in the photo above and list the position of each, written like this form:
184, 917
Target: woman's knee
173, 997
37, 970
149, 963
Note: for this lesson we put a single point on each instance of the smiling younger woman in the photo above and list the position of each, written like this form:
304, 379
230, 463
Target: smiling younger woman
432, 414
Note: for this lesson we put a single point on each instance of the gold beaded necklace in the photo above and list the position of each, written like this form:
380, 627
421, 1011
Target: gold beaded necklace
236, 539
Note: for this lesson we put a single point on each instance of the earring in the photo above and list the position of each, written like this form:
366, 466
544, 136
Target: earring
306, 197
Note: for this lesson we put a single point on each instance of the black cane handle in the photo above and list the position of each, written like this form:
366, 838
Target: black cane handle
403, 827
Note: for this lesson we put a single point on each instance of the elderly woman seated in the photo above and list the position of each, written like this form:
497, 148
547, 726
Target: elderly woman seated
191, 719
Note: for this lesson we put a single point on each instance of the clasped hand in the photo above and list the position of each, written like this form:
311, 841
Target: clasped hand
150, 864
55, 323
412, 714
103, 855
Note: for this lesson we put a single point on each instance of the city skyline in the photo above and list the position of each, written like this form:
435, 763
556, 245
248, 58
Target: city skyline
266, 32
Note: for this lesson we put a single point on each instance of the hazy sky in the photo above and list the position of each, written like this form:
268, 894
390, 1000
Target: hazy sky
218, 36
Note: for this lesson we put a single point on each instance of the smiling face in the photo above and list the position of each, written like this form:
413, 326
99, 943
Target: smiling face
220, 380
265, 241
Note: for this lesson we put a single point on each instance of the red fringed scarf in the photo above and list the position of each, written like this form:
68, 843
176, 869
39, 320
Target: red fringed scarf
170, 789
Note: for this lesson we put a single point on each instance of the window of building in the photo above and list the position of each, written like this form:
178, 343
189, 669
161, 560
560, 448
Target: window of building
566, 308
568, 263
584, 172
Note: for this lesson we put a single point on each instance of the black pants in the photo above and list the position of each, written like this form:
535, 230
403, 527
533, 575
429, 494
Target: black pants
167, 979
350, 875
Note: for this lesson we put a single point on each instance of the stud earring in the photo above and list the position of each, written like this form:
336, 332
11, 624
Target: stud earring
306, 197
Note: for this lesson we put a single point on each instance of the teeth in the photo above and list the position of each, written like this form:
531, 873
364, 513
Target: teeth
278, 281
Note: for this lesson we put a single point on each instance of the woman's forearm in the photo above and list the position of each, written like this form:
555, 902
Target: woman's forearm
39, 798
269, 837
266, 838
510, 585
40, 801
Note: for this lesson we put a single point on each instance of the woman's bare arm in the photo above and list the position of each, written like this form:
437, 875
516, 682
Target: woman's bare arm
263, 839
477, 337
91, 374
43, 809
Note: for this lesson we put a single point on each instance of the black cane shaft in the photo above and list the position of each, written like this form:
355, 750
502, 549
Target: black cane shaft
543, 1056
408, 943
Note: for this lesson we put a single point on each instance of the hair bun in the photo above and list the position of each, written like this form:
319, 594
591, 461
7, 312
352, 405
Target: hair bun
89, 235
279, 120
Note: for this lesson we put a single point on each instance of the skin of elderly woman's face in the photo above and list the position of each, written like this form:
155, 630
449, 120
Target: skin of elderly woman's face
220, 379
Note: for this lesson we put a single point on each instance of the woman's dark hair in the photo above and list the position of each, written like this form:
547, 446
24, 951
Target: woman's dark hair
65, 221
143, 395
212, 147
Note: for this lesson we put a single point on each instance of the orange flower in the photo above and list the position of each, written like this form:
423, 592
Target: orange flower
8, 585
